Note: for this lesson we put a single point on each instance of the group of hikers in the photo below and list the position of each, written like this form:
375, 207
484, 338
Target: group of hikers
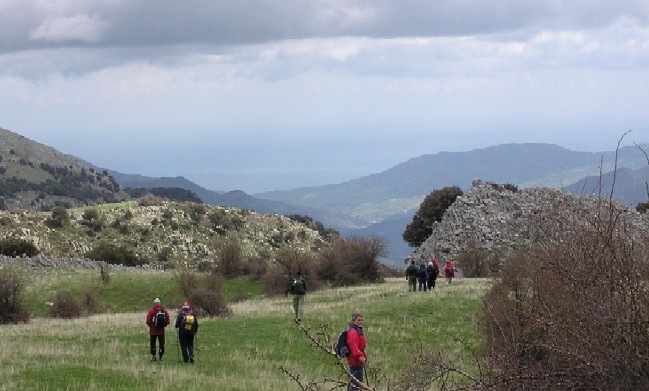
186, 322
426, 274
158, 319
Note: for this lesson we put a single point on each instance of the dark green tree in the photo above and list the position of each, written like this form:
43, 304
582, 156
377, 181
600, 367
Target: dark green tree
432, 209
60, 217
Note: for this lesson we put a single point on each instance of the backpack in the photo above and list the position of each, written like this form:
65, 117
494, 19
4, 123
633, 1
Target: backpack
298, 287
432, 272
187, 322
342, 349
159, 319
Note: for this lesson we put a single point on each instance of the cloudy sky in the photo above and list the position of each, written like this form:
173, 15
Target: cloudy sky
266, 95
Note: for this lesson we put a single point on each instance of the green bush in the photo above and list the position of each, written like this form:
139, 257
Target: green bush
60, 218
115, 255
432, 209
14, 247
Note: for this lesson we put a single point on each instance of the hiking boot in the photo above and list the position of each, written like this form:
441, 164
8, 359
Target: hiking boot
191, 360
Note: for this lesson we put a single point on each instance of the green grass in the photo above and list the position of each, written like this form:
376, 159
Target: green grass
128, 291
242, 352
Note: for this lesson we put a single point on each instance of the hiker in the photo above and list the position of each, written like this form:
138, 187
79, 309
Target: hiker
422, 277
298, 290
157, 319
449, 271
433, 272
411, 276
187, 325
356, 343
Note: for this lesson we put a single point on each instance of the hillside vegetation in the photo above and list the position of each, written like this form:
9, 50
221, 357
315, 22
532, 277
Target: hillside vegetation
166, 234
34, 176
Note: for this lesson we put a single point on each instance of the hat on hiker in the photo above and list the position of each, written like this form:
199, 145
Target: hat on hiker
156, 301
185, 304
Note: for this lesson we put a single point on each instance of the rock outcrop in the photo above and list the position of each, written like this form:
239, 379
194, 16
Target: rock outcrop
493, 217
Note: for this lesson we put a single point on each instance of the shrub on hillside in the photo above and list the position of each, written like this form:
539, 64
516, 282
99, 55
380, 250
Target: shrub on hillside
351, 261
187, 281
571, 312
476, 262
65, 306
275, 281
230, 262
209, 302
12, 308
59, 218
14, 247
114, 254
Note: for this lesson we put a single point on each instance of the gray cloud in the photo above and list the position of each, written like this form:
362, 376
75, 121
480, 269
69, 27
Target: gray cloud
27, 24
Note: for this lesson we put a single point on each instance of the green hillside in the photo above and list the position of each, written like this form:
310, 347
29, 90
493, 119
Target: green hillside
166, 234
254, 349
34, 176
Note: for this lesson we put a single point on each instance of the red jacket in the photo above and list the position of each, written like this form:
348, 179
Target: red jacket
449, 271
356, 342
149, 320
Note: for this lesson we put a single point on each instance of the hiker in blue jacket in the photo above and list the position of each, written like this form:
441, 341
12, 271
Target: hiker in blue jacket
422, 278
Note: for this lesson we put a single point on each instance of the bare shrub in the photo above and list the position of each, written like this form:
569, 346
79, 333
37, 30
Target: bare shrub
104, 273
209, 302
150, 200
572, 311
293, 260
187, 281
255, 269
65, 306
90, 302
275, 281
477, 262
351, 261
12, 308
230, 259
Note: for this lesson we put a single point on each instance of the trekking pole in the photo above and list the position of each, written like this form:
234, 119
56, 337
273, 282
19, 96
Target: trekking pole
196, 346
178, 343
367, 379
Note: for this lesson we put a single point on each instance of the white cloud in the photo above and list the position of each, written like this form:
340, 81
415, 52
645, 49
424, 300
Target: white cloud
75, 28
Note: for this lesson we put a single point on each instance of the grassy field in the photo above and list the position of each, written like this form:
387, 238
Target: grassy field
243, 352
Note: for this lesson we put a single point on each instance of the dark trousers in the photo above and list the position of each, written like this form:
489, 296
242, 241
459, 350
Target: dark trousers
422, 285
431, 282
358, 374
161, 344
186, 341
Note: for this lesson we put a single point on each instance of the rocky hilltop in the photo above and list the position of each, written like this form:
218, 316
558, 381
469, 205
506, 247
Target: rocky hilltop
168, 234
493, 217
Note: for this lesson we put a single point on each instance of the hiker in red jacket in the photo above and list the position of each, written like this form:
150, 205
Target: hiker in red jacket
356, 342
449, 271
157, 319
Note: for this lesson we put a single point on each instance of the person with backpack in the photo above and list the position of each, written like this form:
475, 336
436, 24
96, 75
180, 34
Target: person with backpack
433, 271
187, 325
298, 290
157, 319
422, 278
356, 342
449, 271
411, 276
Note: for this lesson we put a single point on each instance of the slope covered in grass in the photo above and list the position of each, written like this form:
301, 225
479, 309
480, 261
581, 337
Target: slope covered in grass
246, 350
